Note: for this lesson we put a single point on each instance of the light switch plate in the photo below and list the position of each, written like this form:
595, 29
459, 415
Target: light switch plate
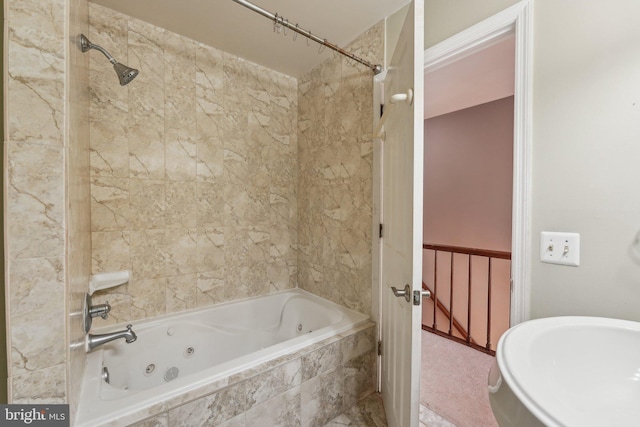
560, 248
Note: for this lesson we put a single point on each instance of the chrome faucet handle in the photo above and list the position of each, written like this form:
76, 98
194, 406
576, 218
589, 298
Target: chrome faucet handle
101, 310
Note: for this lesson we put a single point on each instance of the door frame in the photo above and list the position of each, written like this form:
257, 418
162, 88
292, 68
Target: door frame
518, 18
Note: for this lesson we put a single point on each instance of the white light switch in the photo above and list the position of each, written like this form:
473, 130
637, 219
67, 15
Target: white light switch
560, 248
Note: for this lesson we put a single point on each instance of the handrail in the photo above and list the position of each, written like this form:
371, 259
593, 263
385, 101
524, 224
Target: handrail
466, 333
468, 251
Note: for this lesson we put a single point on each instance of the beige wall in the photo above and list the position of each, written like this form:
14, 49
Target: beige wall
335, 176
46, 204
193, 172
587, 123
468, 177
586, 128
393, 26
444, 18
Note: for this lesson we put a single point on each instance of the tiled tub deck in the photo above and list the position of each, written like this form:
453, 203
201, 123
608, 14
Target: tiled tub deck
306, 388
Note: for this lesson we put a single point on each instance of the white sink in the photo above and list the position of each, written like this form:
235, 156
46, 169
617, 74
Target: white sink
567, 371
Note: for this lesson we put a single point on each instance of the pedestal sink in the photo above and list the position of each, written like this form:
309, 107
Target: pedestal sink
569, 372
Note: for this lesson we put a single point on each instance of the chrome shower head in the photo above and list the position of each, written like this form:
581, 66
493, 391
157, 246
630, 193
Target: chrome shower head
125, 74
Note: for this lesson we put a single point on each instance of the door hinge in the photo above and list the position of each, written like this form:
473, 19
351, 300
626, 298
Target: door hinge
379, 348
380, 231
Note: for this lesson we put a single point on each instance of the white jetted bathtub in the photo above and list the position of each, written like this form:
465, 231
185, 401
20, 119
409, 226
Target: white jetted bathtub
183, 356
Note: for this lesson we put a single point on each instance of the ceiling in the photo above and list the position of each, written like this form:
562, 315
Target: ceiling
231, 27
486, 75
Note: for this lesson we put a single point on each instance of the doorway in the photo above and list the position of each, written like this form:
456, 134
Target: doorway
471, 79
467, 229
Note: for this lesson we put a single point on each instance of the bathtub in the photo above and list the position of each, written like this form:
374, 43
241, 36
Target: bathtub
179, 358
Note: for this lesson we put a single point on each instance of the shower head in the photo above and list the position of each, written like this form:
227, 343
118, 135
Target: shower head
125, 74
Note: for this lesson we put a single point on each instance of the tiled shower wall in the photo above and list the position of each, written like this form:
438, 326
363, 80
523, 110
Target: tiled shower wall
193, 172
46, 197
335, 175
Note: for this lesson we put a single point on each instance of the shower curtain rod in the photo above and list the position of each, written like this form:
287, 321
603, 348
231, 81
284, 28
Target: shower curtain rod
279, 20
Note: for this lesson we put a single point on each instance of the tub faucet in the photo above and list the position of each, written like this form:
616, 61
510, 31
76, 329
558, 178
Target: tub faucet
94, 341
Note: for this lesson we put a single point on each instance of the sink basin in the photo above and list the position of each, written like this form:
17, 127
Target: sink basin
567, 371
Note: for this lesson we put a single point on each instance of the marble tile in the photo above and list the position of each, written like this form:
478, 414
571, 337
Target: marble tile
210, 288
35, 80
148, 297
334, 166
239, 421
282, 410
211, 250
359, 378
181, 293
35, 201
148, 203
36, 314
146, 145
210, 204
322, 398
431, 419
180, 205
157, 421
180, 107
269, 384
40, 387
182, 249
321, 360
146, 100
110, 251
359, 343
195, 165
109, 148
369, 412
210, 410
110, 208
209, 114
46, 129
180, 158
149, 253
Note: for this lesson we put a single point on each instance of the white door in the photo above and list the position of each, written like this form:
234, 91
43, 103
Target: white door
401, 257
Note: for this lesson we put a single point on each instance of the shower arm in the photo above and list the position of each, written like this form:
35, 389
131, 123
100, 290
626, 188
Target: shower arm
85, 45
279, 20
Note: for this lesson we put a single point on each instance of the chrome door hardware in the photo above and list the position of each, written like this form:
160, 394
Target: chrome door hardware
406, 292
418, 295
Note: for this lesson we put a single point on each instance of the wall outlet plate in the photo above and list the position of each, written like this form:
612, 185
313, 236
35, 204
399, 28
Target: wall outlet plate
560, 248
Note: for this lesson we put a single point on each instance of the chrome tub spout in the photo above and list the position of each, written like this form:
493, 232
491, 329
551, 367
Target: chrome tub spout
94, 341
